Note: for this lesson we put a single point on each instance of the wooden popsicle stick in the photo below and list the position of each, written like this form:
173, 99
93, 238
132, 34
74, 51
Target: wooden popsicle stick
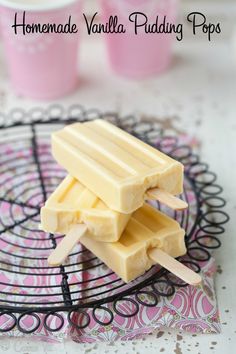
68, 242
166, 198
175, 267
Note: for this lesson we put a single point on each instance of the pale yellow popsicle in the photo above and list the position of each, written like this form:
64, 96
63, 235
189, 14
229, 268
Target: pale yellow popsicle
114, 165
72, 203
148, 229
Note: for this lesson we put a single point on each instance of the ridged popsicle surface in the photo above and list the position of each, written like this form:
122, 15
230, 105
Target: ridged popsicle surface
116, 166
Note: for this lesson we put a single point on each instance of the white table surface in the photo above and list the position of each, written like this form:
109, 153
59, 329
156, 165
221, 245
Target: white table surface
197, 96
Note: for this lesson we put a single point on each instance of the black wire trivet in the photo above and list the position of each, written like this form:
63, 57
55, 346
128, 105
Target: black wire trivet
83, 287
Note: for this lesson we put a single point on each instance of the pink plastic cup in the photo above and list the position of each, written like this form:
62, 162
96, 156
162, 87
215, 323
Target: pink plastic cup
143, 55
41, 66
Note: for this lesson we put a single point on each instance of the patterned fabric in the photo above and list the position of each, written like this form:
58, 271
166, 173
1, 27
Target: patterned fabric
192, 309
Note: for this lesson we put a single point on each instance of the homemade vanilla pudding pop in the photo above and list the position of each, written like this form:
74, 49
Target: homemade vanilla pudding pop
150, 238
72, 203
120, 169
73, 210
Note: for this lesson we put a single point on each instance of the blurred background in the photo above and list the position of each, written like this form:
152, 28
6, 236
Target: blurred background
197, 68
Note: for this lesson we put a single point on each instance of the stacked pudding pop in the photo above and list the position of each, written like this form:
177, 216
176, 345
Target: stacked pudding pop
102, 201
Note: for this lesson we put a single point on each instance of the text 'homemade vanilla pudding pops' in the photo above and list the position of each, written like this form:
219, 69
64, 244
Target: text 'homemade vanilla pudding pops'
120, 169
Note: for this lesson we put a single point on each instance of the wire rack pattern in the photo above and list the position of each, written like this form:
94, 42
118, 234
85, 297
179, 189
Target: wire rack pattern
32, 294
